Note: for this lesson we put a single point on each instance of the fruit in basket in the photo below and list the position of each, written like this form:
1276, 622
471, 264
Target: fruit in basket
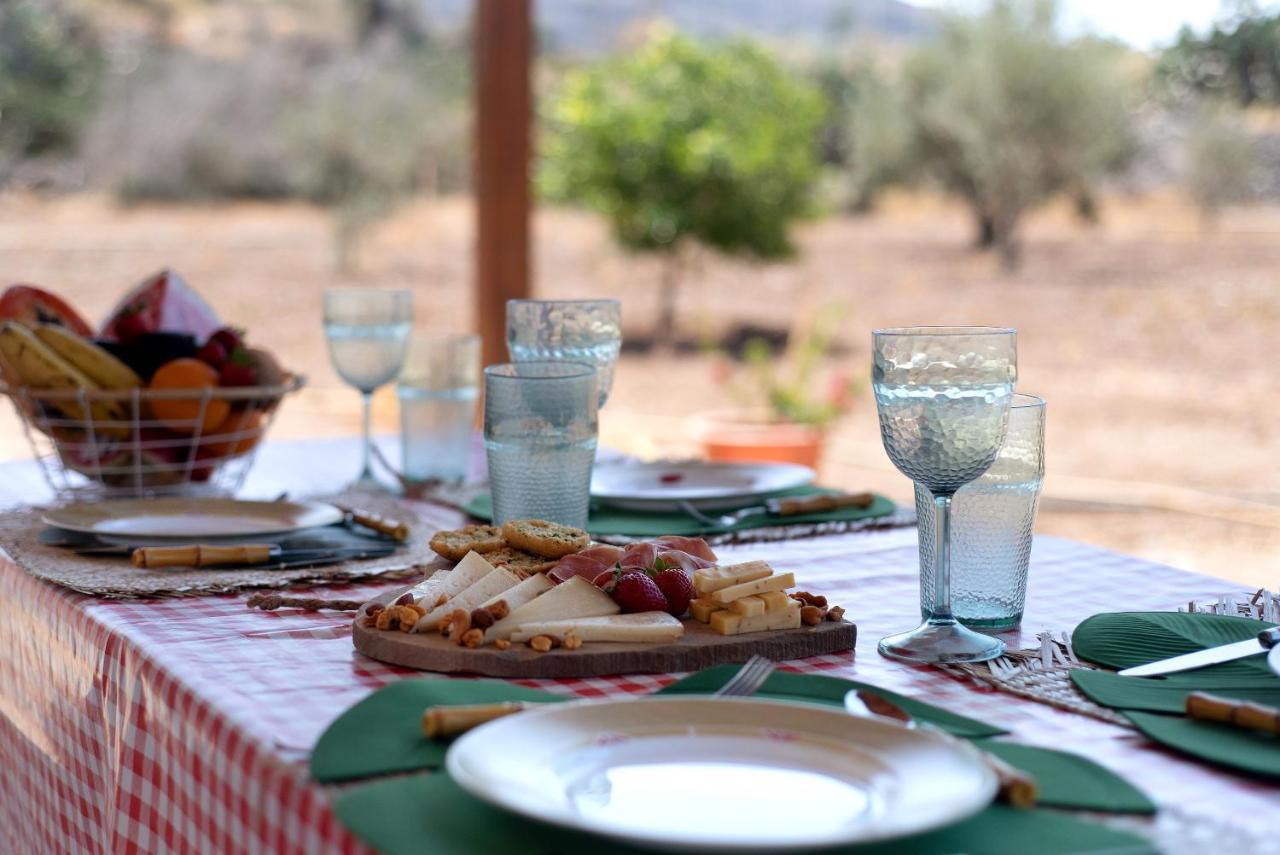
30, 363
94, 361
238, 435
163, 302
239, 370
31, 306
149, 351
213, 354
183, 415
269, 371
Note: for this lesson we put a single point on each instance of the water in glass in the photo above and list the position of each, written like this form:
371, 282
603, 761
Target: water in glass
587, 331
367, 356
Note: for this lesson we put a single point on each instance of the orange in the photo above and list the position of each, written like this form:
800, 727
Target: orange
236, 436
182, 415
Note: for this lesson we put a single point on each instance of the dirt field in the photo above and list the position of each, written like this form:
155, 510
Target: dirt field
1154, 341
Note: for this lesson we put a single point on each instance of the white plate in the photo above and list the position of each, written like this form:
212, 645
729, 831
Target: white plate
187, 519
662, 486
721, 774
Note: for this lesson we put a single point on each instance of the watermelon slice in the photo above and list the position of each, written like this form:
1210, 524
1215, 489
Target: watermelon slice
162, 303
31, 306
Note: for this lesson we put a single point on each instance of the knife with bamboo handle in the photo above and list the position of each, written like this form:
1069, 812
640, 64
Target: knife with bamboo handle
1266, 640
392, 528
248, 555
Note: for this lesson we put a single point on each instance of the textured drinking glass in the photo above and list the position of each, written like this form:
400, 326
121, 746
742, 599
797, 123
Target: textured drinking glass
438, 389
943, 396
540, 439
991, 524
587, 331
368, 332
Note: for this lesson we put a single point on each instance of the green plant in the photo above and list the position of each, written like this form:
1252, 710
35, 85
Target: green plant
1007, 114
1239, 59
795, 387
682, 143
1219, 156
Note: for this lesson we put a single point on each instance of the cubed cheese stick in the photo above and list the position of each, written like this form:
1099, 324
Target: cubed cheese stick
778, 582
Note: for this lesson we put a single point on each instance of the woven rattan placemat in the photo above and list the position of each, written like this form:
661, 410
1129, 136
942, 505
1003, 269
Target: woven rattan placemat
116, 578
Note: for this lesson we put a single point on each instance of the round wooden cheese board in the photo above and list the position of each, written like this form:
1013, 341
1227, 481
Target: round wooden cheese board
698, 648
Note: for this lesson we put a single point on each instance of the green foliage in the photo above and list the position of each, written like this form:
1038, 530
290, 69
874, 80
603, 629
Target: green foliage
1239, 60
686, 142
1007, 114
1219, 154
49, 64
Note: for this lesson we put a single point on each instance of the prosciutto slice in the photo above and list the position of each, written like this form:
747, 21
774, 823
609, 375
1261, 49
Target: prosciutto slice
577, 565
604, 553
639, 556
686, 562
694, 546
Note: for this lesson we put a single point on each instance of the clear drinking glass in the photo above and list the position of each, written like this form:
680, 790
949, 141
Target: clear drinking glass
991, 527
438, 389
367, 331
943, 396
540, 439
587, 331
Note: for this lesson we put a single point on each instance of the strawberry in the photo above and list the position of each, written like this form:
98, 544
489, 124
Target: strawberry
636, 592
213, 354
677, 587
130, 325
230, 338
608, 580
239, 370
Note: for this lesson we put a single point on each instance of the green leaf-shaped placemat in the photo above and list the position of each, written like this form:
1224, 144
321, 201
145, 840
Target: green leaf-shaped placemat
1241, 750
383, 733
413, 814
819, 689
1168, 694
1067, 780
1124, 639
605, 520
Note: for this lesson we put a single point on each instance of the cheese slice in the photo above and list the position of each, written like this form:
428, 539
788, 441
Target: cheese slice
711, 579
640, 628
524, 592
727, 595
576, 598
728, 623
495, 583
747, 606
471, 569
774, 600
702, 609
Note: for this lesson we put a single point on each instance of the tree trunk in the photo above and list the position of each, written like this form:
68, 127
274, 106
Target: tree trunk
664, 337
1007, 243
985, 235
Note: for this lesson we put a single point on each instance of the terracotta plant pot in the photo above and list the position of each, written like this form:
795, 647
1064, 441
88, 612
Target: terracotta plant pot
752, 435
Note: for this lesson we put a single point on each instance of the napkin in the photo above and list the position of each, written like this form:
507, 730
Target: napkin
608, 521
430, 813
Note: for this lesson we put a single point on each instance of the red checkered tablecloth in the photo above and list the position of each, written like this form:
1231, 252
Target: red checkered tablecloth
184, 725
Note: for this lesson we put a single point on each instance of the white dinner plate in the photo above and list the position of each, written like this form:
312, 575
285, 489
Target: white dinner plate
721, 774
662, 486
188, 519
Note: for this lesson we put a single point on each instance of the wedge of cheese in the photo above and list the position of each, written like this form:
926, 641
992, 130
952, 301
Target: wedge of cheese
780, 582
497, 582
702, 609
639, 628
711, 579
516, 597
576, 598
471, 569
727, 623
747, 606
774, 600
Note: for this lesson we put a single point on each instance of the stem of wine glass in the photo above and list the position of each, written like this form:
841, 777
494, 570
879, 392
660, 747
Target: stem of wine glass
940, 608
366, 465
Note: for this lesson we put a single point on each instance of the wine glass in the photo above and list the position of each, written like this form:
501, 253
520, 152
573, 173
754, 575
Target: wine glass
588, 331
943, 395
368, 334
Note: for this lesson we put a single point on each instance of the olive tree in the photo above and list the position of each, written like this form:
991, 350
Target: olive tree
681, 143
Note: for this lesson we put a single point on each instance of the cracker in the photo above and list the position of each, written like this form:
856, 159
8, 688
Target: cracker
519, 562
548, 539
454, 545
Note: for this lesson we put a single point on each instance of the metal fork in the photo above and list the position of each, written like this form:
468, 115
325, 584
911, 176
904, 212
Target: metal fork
748, 680
715, 522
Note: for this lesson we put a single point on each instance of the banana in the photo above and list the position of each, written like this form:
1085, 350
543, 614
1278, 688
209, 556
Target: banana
37, 366
93, 361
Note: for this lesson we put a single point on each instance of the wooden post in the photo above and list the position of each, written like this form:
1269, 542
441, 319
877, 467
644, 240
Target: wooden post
503, 107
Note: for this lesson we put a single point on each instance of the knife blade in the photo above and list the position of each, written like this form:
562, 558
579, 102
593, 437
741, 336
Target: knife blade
1267, 639
266, 555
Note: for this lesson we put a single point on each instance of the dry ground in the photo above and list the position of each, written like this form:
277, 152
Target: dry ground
1154, 340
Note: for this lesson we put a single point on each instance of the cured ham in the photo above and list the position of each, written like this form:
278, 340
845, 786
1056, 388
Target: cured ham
687, 553
605, 553
639, 556
694, 546
686, 562
579, 564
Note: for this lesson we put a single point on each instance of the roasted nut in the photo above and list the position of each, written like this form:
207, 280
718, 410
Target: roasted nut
385, 619
835, 613
541, 643
482, 618
810, 599
369, 620
473, 638
417, 609
441, 600
404, 599
459, 623
442, 625
406, 616
571, 641
502, 644
499, 610
810, 615
373, 608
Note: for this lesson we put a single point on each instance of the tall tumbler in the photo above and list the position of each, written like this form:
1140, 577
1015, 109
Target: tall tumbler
991, 527
540, 439
438, 389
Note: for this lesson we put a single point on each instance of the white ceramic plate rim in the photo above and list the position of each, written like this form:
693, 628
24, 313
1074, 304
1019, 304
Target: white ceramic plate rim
88, 517
492, 792
770, 477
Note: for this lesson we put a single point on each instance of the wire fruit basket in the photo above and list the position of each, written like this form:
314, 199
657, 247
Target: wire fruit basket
146, 442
